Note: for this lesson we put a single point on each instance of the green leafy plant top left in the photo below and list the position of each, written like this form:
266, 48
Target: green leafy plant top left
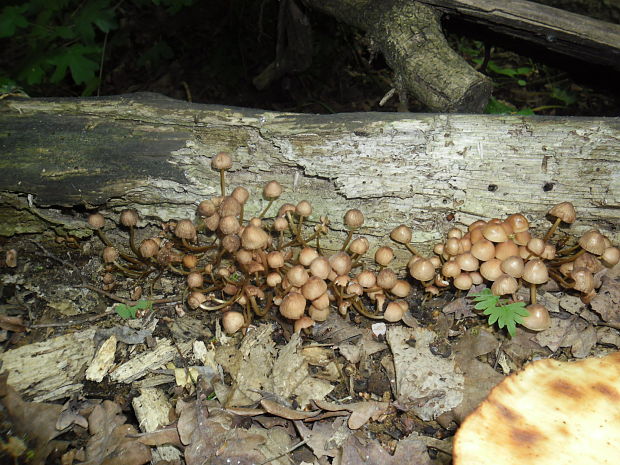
45, 40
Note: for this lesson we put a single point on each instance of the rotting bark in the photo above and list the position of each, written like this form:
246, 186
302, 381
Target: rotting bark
428, 171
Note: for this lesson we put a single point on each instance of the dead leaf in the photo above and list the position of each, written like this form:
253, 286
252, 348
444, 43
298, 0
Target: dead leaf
12, 323
573, 332
21, 414
325, 437
461, 307
607, 300
110, 443
359, 450
361, 412
427, 384
281, 411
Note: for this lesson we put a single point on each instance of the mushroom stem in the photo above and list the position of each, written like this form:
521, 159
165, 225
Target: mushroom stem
347, 240
570, 258
264, 212
222, 305
132, 242
362, 310
568, 250
223, 183
412, 249
552, 229
532, 293
127, 271
197, 248
560, 279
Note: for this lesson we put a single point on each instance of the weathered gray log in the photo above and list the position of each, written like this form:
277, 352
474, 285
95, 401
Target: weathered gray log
568, 33
153, 153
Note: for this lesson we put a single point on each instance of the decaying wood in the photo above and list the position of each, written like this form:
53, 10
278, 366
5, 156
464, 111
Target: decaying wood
428, 171
568, 33
50, 369
410, 36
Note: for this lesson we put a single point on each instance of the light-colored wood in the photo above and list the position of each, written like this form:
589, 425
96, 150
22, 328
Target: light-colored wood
429, 171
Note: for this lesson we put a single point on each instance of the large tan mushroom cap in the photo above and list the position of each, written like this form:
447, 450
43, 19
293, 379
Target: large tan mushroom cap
550, 413
564, 211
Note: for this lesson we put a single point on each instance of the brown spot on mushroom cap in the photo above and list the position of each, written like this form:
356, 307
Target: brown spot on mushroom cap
552, 412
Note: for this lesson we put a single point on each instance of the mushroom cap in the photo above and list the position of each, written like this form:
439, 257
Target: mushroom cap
565, 211
185, 229
293, 306
551, 413
229, 225
593, 241
206, 208
393, 312
149, 248
504, 284
314, 288
494, 232
422, 270
307, 255
359, 245
275, 259
366, 278
304, 208
320, 267
513, 266
518, 222
230, 206
272, 190
240, 194
538, 318
611, 256
384, 255
483, 250
584, 281
463, 281
129, 217
340, 263
254, 238
401, 288
222, 161
535, 272
303, 323
297, 275
353, 218
401, 234
232, 321
386, 278
110, 254
96, 220
467, 261
195, 279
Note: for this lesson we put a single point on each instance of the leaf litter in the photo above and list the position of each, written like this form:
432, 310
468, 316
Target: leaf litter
270, 397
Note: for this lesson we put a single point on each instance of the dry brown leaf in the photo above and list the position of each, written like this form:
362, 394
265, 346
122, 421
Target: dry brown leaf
281, 411
12, 323
21, 413
359, 450
361, 412
607, 300
110, 443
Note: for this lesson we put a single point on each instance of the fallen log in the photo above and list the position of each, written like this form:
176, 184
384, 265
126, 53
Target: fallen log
429, 171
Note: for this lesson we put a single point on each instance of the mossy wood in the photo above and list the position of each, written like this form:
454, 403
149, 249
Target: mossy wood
429, 171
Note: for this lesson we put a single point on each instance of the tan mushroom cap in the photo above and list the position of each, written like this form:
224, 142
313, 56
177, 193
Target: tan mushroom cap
593, 241
550, 413
401, 234
538, 318
564, 211
535, 272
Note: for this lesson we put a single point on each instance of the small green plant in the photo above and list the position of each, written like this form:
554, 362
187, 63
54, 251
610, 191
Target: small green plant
500, 311
130, 312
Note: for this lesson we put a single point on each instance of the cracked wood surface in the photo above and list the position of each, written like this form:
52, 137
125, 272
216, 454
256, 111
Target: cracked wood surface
153, 153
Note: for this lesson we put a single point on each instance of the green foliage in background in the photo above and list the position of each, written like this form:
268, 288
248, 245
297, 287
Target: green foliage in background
63, 41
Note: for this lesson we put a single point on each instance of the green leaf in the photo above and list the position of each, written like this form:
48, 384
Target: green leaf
503, 312
76, 58
12, 18
130, 311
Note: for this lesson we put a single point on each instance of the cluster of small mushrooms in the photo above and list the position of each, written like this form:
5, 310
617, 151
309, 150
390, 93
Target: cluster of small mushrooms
244, 267
506, 255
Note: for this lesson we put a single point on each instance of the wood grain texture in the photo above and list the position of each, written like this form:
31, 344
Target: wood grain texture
153, 153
